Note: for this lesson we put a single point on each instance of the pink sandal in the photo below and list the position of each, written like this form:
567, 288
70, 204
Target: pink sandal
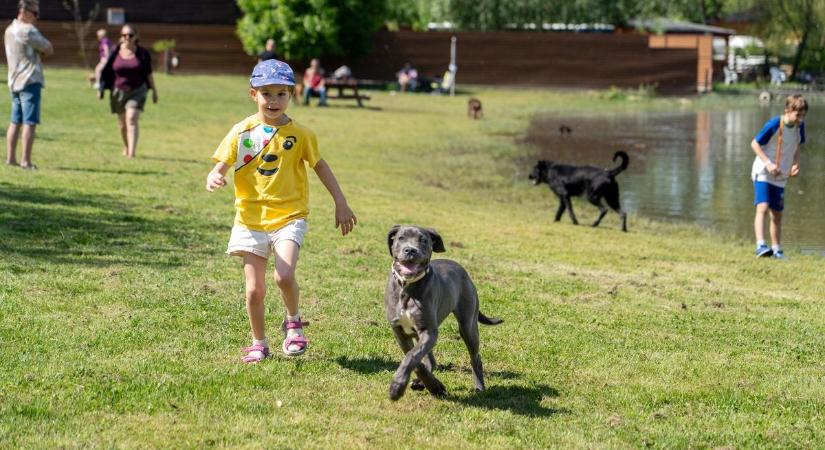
300, 341
255, 353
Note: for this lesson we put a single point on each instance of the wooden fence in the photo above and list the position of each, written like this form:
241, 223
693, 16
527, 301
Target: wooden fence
536, 59
201, 48
503, 58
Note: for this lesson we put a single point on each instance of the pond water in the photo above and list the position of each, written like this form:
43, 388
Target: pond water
693, 166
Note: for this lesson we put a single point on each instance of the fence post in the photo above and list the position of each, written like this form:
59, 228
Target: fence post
453, 66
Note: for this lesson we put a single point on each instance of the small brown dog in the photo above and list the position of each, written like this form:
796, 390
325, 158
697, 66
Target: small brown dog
474, 108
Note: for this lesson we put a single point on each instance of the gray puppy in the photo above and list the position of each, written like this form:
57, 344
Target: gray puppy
420, 294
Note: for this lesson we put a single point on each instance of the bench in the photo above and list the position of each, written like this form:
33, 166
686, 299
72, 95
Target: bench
338, 90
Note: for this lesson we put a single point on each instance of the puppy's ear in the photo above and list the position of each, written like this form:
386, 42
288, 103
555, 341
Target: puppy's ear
438, 243
391, 236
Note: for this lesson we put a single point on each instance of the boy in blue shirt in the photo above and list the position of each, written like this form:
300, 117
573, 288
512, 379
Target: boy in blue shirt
777, 159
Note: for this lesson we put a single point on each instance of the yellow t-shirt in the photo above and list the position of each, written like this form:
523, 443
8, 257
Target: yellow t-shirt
271, 187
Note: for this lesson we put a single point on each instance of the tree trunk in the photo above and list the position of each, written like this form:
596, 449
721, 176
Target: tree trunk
80, 32
800, 49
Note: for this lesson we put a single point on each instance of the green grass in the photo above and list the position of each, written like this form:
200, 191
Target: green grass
121, 320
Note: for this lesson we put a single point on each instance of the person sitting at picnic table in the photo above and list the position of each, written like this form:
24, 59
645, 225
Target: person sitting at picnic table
314, 82
407, 78
777, 76
447, 81
343, 73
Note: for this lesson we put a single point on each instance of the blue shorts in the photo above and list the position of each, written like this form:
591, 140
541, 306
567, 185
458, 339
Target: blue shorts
25, 105
764, 192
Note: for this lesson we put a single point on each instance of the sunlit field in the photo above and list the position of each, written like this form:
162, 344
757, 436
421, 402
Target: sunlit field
121, 320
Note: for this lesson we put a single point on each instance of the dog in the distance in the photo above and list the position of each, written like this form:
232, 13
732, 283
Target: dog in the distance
420, 294
594, 183
474, 108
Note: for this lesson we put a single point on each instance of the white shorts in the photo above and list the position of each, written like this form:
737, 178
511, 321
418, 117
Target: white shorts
262, 243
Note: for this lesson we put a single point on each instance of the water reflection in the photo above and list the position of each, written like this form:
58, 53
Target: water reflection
694, 166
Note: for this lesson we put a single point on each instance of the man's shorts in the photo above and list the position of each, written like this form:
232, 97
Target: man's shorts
262, 243
25, 105
774, 196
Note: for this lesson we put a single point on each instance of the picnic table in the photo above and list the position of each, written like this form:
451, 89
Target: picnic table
345, 89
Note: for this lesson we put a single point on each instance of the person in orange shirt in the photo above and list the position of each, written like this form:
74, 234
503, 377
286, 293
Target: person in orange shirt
314, 82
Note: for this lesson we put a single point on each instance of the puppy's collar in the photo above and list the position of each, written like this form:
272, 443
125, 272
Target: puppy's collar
406, 281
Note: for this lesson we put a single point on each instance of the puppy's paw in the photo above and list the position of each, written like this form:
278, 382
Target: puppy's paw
397, 390
439, 390
417, 385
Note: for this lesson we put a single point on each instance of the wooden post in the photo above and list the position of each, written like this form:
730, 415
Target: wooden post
453, 66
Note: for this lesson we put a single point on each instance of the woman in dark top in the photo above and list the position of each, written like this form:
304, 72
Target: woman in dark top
128, 73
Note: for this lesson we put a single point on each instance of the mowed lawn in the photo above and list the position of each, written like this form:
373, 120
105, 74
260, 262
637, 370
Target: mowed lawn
121, 320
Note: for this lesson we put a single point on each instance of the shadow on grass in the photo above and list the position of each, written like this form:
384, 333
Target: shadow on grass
204, 162
374, 364
369, 365
525, 401
114, 172
498, 374
66, 226
352, 106
516, 399
366, 107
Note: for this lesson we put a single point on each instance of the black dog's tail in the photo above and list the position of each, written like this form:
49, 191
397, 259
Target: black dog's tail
622, 166
488, 320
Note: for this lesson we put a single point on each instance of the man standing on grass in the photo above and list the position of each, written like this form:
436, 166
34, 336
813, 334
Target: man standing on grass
269, 52
24, 44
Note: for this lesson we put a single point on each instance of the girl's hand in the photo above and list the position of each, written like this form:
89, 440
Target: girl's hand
795, 170
345, 218
154, 96
214, 181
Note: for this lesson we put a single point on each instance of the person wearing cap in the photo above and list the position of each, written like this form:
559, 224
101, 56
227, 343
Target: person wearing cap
24, 45
268, 153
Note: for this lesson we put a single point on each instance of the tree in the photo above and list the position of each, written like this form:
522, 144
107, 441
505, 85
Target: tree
491, 15
795, 28
80, 27
507, 14
358, 20
803, 19
310, 28
416, 14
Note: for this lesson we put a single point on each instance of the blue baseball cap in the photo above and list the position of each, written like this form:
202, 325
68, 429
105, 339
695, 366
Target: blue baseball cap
272, 71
